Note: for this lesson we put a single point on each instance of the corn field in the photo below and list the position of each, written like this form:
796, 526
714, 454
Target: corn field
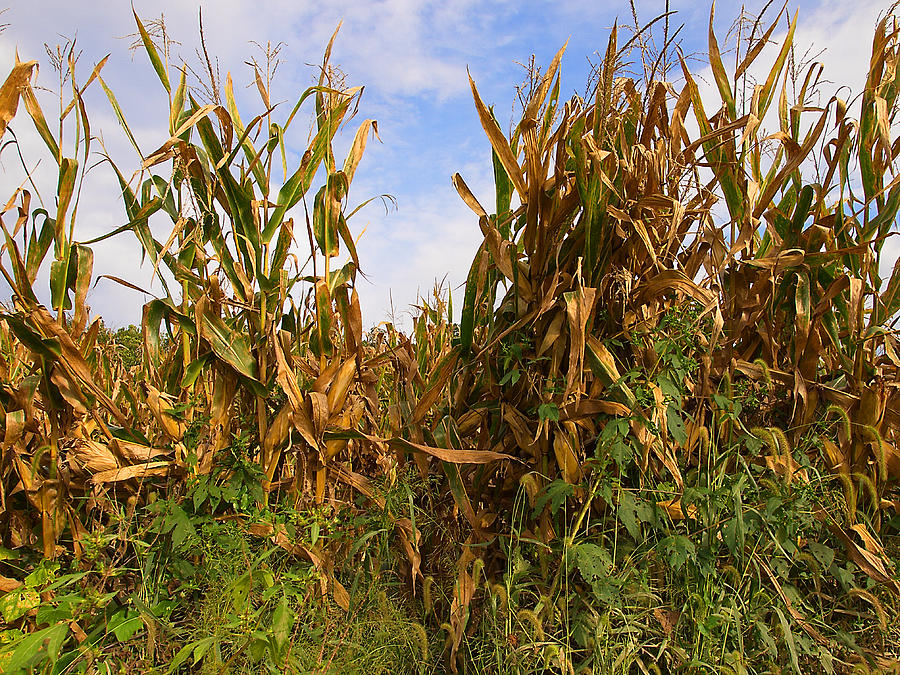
658, 428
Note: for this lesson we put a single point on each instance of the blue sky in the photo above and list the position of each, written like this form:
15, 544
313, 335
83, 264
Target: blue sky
412, 58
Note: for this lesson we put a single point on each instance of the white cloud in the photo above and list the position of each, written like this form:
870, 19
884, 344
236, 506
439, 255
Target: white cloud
399, 47
429, 237
844, 30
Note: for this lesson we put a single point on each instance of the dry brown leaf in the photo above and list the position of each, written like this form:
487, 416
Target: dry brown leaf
340, 594
438, 382
668, 619
552, 333
675, 280
93, 456
276, 435
148, 470
566, 460
459, 606
160, 405
676, 509
70, 391
359, 147
16, 82
72, 361
591, 408
14, 426
869, 562
786, 467
500, 145
579, 309
77, 631
467, 196
451, 455
359, 482
136, 452
869, 542
7, 584
318, 404
410, 542
337, 392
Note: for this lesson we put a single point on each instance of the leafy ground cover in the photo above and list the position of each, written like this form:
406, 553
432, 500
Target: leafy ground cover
659, 435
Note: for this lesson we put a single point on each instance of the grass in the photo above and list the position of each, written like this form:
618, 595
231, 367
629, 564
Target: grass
660, 435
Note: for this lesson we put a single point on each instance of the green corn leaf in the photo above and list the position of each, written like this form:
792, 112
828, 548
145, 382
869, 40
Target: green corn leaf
232, 346
422, 344
194, 370
59, 274
323, 224
22, 282
117, 109
715, 153
550, 111
282, 247
153, 314
347, 237
80, 274
298, 184
322, 332
140, 217
254, 158
167, 195
890, 299
213, 233
40, 123
39, 244
603, 366
47, 348
718, 68
768, 89
458, 490
68, 172
178, 102
801, 213
341, 277
153, 54
503, 190
470, 299
878, 227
